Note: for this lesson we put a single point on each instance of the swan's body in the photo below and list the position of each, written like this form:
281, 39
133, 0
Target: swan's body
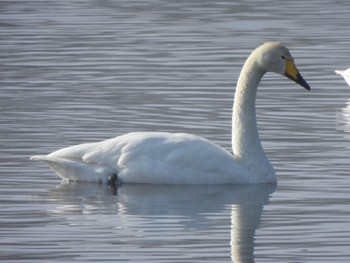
345, 74
168, 158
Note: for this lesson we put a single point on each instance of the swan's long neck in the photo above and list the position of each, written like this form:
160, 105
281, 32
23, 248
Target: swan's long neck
246, 144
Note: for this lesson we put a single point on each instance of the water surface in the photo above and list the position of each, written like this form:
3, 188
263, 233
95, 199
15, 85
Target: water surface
82, 71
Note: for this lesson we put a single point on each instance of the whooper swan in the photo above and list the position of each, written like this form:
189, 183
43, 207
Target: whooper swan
179, 158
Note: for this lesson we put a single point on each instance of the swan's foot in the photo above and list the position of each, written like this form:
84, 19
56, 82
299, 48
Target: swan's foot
113, 180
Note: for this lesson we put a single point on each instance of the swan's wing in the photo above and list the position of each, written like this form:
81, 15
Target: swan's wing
167, 158
148, 158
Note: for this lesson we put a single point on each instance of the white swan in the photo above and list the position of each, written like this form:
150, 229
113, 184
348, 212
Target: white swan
345, 74
178, 158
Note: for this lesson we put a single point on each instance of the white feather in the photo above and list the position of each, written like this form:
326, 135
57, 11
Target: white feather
179, 158
345, 74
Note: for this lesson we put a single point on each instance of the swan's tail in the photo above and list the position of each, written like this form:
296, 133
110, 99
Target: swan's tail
76, 169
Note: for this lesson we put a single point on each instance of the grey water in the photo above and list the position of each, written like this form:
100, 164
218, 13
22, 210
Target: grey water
77, 71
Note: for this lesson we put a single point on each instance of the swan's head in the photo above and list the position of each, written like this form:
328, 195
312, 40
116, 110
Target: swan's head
275, 57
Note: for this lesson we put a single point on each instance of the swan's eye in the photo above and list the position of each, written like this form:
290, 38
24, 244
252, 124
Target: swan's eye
283, 57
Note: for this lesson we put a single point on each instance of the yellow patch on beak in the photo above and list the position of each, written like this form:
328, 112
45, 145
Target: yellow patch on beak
293, 74
291, 70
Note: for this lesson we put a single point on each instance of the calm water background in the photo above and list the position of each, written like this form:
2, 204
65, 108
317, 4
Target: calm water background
82, 71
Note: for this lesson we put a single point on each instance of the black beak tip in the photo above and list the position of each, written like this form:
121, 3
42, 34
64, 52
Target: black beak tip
303, 83
307, 86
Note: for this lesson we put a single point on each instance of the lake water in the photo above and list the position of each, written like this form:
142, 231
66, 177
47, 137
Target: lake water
81, 71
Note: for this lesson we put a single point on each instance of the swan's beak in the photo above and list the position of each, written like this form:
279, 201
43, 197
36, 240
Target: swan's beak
293, 74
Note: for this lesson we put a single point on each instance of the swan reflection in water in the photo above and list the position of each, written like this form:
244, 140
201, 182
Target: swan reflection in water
190, 205
343, 121
343, 118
